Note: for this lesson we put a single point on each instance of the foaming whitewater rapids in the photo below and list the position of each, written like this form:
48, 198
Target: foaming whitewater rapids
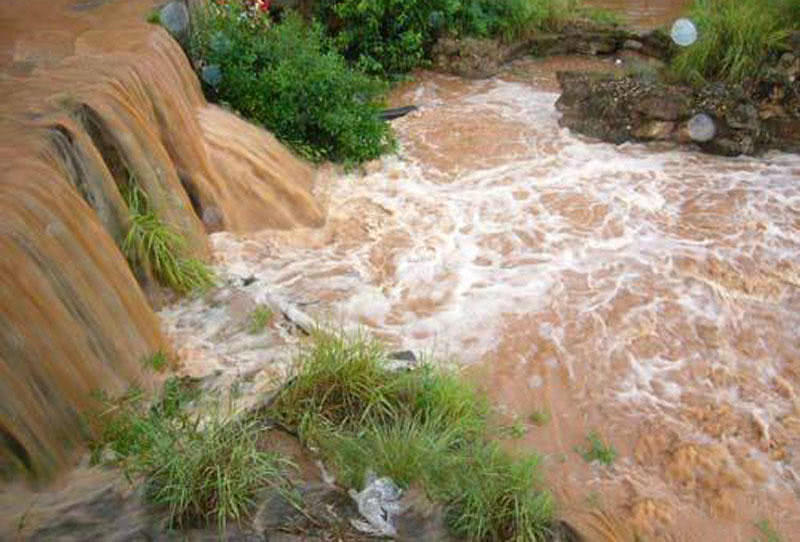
645, 292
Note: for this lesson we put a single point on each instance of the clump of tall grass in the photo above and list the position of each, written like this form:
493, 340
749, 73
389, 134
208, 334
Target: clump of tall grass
735, 38
201, 470
151, 244
425, 427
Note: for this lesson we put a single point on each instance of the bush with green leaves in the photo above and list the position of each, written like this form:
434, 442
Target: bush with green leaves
392, 37
735, 38
425, 427
287, 78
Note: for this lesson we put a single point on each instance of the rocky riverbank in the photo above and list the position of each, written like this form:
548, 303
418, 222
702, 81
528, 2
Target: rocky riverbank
636, 100
746, 119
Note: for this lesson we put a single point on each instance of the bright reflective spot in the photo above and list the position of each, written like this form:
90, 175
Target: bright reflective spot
684, 32
702, 128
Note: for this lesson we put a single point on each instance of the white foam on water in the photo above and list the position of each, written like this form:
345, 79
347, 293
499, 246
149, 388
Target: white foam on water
669, 259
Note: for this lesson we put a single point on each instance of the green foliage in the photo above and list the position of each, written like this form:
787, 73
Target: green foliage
157, 362
259, 318
517, 429
598, 450
735, 38
201, 470
767, 532
602, 16
287, 78
424, 426
154, 17
152, 244
391, 37
540, 417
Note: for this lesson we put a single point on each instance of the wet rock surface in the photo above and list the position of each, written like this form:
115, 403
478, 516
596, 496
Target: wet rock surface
638, 107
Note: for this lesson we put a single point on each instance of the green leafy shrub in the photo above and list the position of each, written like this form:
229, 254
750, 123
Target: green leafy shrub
152, 244
202, 470
391, 37
425, 426
287, 78
735, 38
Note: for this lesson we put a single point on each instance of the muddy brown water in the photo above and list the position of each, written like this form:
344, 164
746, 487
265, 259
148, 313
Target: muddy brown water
648, 293
644, 14
92, 98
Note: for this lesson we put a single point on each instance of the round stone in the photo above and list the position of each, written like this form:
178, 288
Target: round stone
684, 32
702, 128
211, 75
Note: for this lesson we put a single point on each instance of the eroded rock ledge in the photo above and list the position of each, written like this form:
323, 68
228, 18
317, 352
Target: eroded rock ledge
748, 119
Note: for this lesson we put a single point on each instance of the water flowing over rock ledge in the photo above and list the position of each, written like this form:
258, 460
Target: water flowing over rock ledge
122, 105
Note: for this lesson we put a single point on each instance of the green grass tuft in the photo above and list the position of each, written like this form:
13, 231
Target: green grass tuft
201, 470
494, 498
157, 362
735, 38
598, 450
152, 244
602, 16
259, 318
767, 532
425, 426
540, 417
154, 17
517, 429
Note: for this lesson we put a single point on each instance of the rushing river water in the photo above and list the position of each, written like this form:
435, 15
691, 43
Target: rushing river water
649, 293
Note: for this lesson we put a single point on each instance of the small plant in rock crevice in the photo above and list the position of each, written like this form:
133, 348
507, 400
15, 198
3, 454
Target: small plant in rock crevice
156, 362
259, 319
152, 245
